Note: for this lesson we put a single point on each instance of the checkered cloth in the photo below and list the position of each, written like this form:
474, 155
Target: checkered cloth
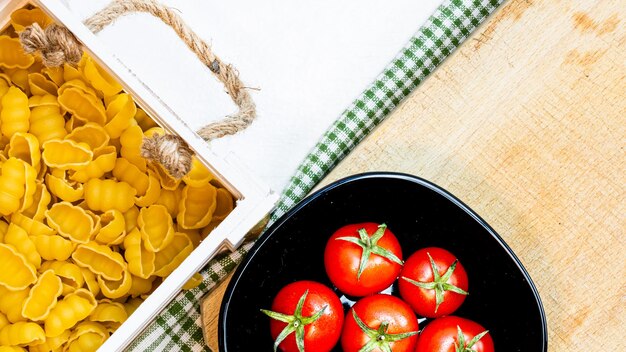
179, 327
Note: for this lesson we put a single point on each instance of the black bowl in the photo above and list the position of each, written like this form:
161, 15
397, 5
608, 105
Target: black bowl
502, 296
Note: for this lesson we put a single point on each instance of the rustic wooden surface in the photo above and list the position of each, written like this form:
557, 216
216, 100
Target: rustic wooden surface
526, 123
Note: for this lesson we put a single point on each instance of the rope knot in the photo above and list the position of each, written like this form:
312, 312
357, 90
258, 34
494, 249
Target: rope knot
171, 151
56, 44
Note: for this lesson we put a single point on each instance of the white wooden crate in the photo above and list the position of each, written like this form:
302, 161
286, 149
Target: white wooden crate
254, 200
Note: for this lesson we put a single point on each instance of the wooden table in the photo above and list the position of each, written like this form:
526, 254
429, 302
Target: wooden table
526, 123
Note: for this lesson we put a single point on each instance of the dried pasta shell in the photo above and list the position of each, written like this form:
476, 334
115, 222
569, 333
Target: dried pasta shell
62, 188
71, 222
4, 227
140, 286
71, 73
78, 84
25, 146
168, 181
4, 321
87, 336
113, 228
130, 141
197, 206
103, 161
193, 234
83, 106
15, 113
103, 195
53, 247
224, 204
19, 78
120, 113
132, 304
16, 272
66, 154
74, 307
40, 85
101, 260
156, 227
46, 121
115, 289
171, 200
52, 344
22, 333
42, 297
170, 257
41, 199
19, 239
194, 282
152, 192
130, 218
70, 274
33, 227
198, 175
99, 78
144, 121
91, 134
129, 173
11, 303
55, 74
23, 17
17, 186
109, 313
12, 54
140, 260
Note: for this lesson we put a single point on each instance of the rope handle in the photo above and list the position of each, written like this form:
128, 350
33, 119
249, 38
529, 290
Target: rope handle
57, 45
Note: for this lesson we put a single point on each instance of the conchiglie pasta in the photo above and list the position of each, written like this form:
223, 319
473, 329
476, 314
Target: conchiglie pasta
224, 204
16, 272
144, 121
130, 141
120, 113
66, 154
11, 303
197, 206
46, 121
71, 275
25, 17
198, 175
140, 286
115, 288
113, 228
12, 55
51, 344
152, 193
53, 247
100, 259
170, 200
74, 307
109, 313
40, 85
87, 336
22, 333
41, 200
4, 227
71, 222
19, 239
42, 297
171, 256
15, 113
25, 146
82, 105
140, 260
156, 227
129, 173
103, 195
19, 78
99, 78
91, 134
62, 187
33, 227
103, 161
12, 185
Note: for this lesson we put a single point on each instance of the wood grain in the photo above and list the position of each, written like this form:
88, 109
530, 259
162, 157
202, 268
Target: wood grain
525, 123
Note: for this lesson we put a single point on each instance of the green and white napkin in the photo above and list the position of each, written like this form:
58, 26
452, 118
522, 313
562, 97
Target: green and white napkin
179, 327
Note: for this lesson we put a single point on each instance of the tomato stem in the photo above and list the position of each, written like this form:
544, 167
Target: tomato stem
295, 322
467, 347
379, 338
369, 246
440, 282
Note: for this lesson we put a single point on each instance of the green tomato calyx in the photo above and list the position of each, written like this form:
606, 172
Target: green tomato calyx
440, 282
462, 346
369, 246
379, 338
295, 322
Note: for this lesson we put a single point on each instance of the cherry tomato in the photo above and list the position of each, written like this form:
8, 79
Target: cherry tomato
433, 282
305, 314
380, 323
361, 259
454, 334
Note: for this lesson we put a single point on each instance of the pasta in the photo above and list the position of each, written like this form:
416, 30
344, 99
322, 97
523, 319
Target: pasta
25, 146
53, 343
15, 113
103, 161
140, 260
199, 175
16, 272
194, 282
53, 247
19, 239
109, 313
40, 85
140, 286
100, 79
120, 112
171, 256
31, 226
170, 200
42, 297
115, 289
84, 106
71, 222
224, 204
197, 206
130, 218
11, 303
129, 173
70, 274
62, 188
19, 78
91, 134
12, 185
100, 259
103, 195
4, 227
87, 336
156, 227
25, 17
46, 121
74, 307
41, 199
12, 55
152, 192
113, 228
22, 333
130, 141
66, 154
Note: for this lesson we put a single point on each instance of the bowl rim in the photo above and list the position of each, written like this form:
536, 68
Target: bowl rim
357, 177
